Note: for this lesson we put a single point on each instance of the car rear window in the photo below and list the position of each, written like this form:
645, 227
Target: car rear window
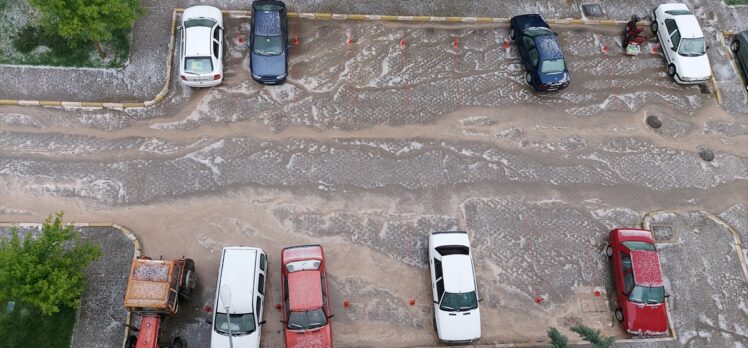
199, 22
640, 246
553, 66
198, 65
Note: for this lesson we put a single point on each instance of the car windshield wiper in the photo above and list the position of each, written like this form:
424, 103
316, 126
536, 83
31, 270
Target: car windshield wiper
448, 308
190, 72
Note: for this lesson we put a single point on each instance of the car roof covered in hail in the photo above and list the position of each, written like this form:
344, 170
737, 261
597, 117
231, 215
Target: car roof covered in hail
304, 290
458, 273
647, 270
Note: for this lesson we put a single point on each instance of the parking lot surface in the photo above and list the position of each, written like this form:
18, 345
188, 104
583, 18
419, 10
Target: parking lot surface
386, 132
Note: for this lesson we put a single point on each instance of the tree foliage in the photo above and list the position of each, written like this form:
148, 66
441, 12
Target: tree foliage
87, 20
46, 271
593, 336
558, 340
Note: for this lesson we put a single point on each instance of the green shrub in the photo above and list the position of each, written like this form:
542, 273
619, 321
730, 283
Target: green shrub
28, 38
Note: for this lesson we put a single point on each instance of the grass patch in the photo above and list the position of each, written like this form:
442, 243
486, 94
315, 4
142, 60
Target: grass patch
729, 2
27, 327
24, 42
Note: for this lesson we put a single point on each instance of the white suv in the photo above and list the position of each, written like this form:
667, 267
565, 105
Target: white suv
240, 292
682, 43
456, 312
200, 62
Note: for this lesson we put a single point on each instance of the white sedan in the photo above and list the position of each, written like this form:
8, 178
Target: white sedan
200, 62
456, 312
682, 43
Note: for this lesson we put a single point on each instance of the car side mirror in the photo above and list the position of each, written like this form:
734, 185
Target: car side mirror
667, 295
283, 321
288, 46
480, 299
330, 316
209, 321
262, 322
179, 27
707, 47
555, 33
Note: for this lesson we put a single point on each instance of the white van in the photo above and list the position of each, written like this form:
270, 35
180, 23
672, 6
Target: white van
240, 291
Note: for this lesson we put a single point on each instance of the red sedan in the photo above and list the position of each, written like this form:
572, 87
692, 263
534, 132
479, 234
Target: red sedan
639, 286
306, 308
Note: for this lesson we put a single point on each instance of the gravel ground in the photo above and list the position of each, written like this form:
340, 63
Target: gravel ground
101, 315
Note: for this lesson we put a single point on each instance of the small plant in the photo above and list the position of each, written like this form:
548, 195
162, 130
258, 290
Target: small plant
593, 336
558, 340
46, 271
28, 38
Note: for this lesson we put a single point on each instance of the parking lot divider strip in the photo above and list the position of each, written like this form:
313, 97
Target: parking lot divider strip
306, 15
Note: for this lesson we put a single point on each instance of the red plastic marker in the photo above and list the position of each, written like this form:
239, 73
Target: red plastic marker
346, 304
207, 309
278, 306
538, 299
456, 43
412, 301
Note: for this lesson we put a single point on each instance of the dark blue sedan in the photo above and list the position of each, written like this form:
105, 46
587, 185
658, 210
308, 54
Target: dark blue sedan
268, 43
545, 67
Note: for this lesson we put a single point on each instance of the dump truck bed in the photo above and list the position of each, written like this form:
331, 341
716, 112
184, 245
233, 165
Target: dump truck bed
148, 285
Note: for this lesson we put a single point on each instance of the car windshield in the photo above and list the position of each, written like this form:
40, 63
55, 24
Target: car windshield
454, 302
307, 320
199, 22
553, 66
692, 47
241, 324
268, 45
647, 295
198, 65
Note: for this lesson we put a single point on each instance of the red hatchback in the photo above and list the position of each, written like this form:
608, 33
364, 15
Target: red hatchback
306, 308
639, 286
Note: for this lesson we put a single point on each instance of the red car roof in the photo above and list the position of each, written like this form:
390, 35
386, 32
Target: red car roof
304, 290
292, 254
647, 270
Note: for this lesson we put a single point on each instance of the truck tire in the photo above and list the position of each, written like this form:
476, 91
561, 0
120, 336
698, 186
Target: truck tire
190, 279
131, 341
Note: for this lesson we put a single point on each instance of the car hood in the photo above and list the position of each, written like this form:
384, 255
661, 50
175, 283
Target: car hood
268, 66
321, 337
694, 67
220, 341
459, 327
647, 320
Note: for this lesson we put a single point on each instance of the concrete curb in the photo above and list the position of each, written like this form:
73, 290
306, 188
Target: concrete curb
306, 15
646, 221
137, 252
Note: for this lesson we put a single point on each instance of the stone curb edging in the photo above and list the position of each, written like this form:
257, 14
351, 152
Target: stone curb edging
306, 15
137, 252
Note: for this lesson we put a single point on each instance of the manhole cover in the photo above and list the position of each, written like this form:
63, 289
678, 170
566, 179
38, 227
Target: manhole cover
662, 232
592, 10
706, 154
654, 121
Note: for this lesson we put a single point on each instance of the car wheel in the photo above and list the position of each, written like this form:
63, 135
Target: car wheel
131, 341
609, 251
654, 27
619, 314
528, 78
178, 342
735, 46
671, 70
